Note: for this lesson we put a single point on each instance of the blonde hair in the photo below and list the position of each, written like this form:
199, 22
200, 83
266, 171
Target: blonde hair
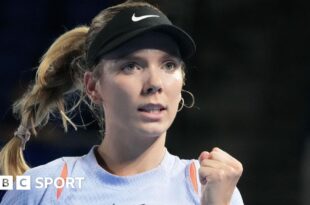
60, 72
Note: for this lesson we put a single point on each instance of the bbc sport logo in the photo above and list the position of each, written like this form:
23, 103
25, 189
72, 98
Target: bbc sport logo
24, 182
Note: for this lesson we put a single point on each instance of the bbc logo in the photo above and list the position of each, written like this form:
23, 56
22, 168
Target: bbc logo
21, 183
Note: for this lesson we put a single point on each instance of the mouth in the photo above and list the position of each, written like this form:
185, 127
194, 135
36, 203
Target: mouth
152, 108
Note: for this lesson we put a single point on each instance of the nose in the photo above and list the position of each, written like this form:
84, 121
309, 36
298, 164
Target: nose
153, 83
152, 90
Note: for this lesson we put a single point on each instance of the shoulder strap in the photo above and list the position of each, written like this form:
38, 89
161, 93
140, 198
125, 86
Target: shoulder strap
193, 176
63, 175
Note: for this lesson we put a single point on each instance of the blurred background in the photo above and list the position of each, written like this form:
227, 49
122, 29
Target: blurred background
249, 77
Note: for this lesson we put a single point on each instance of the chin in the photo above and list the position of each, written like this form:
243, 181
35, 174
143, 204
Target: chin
153, 131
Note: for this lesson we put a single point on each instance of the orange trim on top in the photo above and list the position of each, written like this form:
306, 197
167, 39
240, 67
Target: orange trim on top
64, 174
193, 176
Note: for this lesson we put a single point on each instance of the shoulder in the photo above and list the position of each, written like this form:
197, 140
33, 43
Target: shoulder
53, 168
35, 182
183, 177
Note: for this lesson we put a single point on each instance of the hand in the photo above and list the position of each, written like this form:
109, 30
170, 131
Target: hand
218, 173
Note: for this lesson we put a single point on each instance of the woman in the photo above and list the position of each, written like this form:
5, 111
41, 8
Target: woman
129, 63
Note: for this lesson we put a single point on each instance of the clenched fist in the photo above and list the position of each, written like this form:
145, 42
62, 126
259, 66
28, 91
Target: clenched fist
218, 173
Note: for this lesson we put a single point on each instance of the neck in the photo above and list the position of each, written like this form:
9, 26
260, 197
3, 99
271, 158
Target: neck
126, 155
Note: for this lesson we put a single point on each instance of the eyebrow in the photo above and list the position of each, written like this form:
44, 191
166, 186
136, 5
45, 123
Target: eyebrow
133, 57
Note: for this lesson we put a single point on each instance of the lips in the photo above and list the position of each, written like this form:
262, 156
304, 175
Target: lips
151, 108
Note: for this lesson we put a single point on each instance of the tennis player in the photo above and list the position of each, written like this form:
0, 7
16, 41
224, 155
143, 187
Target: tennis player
129, 66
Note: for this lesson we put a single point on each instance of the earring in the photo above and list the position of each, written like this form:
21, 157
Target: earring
183, 102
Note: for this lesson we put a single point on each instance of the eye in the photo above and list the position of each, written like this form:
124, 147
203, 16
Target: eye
130, 67
170, 66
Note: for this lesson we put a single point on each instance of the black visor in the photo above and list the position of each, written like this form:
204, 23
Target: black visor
132, 22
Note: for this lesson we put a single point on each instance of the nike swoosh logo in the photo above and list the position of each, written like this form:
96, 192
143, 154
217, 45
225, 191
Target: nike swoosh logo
135, 18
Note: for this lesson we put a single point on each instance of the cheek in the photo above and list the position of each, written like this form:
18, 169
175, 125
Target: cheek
120, 91
174, 85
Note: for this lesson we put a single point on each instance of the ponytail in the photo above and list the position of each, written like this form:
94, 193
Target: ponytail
59, 73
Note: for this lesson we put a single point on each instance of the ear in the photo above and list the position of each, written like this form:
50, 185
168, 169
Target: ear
91, 88
180, 96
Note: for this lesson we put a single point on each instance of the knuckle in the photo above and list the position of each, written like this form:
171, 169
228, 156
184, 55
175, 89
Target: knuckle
239, 167
204, 162
215, 149
221, 175
237, 172
232, 170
